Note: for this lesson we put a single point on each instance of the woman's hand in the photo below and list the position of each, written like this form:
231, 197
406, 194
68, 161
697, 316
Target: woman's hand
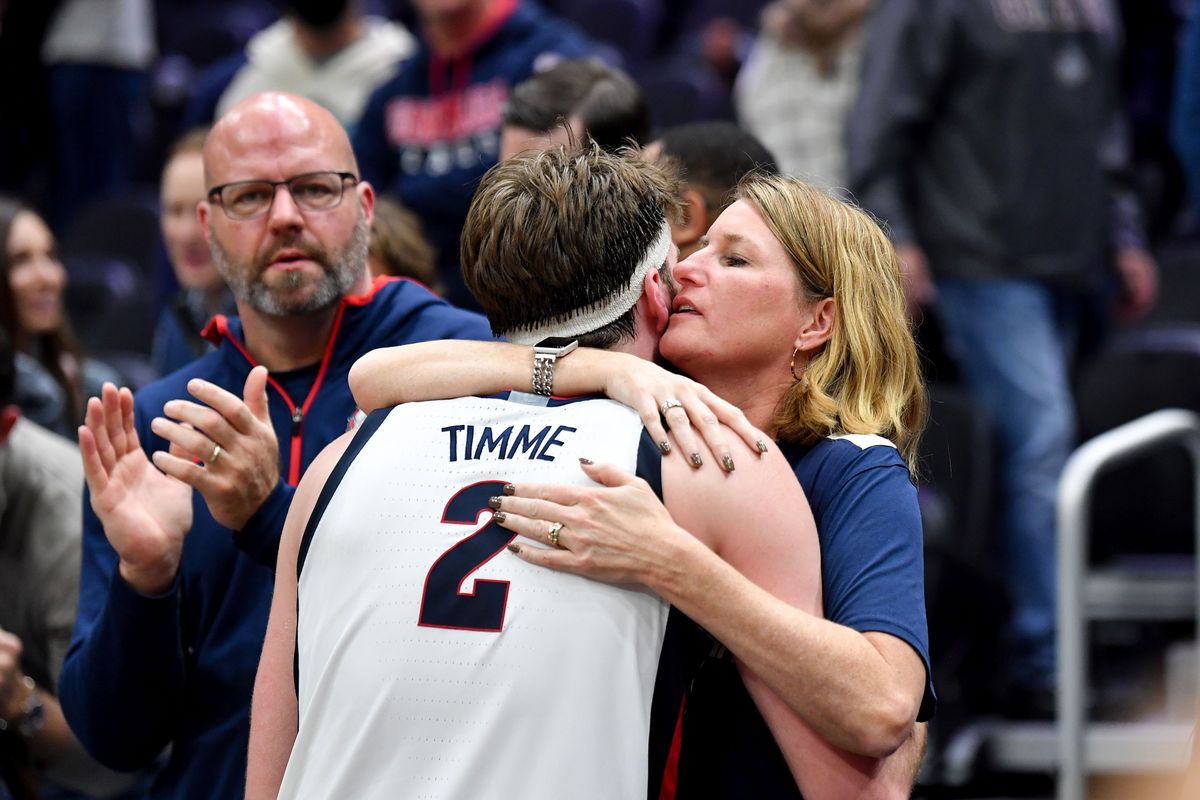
618, 532
687, 406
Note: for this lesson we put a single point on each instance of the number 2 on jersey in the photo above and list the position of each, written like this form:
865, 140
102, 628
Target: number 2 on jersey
444, 604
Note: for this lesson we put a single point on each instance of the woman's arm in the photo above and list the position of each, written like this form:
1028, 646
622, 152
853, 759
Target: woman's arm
444, 369
859, 691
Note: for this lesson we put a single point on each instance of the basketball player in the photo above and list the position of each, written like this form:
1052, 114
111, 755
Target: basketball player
408, 653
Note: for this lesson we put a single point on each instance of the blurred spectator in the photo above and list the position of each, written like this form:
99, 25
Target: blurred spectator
1185, 120
202, 292
1149, 62
99, 53
53, 377
986, 135
430, 133
41, 512
710, 157
26, 132
398, 247
796, 89
583, 95
325, 50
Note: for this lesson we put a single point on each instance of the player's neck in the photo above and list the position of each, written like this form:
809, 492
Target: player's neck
641, 346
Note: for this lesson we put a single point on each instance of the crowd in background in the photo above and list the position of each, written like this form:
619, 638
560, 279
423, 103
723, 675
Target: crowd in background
1044, 236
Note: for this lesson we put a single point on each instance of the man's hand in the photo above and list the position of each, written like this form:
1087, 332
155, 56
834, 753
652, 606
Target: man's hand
145, 514
919, 289
1139, 282
226, 449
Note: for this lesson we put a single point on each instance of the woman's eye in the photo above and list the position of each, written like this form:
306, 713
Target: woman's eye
733, 261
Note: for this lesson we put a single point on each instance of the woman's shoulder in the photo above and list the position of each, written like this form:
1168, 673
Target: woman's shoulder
849, 452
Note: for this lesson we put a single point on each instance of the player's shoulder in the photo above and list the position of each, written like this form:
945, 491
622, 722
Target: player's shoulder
754, 475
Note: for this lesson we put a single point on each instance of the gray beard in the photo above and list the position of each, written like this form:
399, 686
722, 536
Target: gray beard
340, 271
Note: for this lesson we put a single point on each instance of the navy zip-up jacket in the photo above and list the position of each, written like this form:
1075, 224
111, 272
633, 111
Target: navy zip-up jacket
144, 672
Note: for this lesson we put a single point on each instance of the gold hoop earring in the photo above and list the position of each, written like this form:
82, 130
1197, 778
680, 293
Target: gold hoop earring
792, 366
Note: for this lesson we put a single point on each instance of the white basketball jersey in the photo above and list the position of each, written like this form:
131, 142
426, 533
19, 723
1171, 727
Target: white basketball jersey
432, 662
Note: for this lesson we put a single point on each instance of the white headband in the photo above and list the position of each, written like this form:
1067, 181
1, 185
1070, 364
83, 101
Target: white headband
604, 311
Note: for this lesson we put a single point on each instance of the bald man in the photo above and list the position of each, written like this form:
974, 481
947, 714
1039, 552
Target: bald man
189, 481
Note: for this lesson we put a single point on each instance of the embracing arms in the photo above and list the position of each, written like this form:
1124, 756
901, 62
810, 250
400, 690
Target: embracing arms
443, 369
859, 690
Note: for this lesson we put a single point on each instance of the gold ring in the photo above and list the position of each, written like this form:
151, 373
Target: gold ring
668, 404
552, 535
216, 453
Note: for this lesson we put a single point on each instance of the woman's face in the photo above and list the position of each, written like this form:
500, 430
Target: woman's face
35, 275
738, 305
182, 189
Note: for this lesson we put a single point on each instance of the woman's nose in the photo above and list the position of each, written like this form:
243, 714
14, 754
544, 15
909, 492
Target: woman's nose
689, 270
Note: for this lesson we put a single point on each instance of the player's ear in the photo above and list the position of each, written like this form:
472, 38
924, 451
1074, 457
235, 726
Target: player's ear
655, 302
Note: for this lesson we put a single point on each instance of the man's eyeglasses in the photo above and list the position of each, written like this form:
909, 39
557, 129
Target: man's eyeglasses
312, 191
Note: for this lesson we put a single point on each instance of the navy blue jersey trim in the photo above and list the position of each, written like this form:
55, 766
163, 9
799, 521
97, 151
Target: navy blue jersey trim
357, 442
361, 437
649, 463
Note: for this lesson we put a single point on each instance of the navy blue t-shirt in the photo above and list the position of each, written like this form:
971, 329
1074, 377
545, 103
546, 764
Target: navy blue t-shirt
873, 579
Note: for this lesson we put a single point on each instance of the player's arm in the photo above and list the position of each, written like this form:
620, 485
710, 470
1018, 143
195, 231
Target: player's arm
439, 370
274, 717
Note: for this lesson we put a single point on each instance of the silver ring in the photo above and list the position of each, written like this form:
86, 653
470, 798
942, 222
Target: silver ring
552, 534
216, 453
668, 404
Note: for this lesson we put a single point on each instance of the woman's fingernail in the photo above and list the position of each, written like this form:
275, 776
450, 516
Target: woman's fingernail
697, 461
494, 502
514, 548
728, 462
509, 490
583, 460
762, 446
664, 447
499, 516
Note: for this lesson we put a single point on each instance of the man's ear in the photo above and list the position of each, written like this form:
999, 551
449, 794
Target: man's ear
8, 418
819, 319
366, 199
204, 215
694, 224
655, 302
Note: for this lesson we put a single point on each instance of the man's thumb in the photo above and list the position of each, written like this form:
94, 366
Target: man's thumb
255, 392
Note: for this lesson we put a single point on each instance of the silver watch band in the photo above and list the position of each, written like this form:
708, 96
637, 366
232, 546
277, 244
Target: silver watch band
543, 373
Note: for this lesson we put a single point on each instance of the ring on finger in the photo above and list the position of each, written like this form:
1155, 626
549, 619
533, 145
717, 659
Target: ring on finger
667, 405
216, 453
552, 534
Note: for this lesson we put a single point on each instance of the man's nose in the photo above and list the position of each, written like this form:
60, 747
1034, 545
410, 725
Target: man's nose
284, 213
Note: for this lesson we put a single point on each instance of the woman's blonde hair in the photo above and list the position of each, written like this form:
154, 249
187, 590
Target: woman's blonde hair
866, 378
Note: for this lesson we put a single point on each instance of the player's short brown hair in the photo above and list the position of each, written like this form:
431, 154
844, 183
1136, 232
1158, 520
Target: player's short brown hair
554, 233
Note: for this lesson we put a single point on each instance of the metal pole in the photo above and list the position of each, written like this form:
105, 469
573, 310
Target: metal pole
1085, 464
